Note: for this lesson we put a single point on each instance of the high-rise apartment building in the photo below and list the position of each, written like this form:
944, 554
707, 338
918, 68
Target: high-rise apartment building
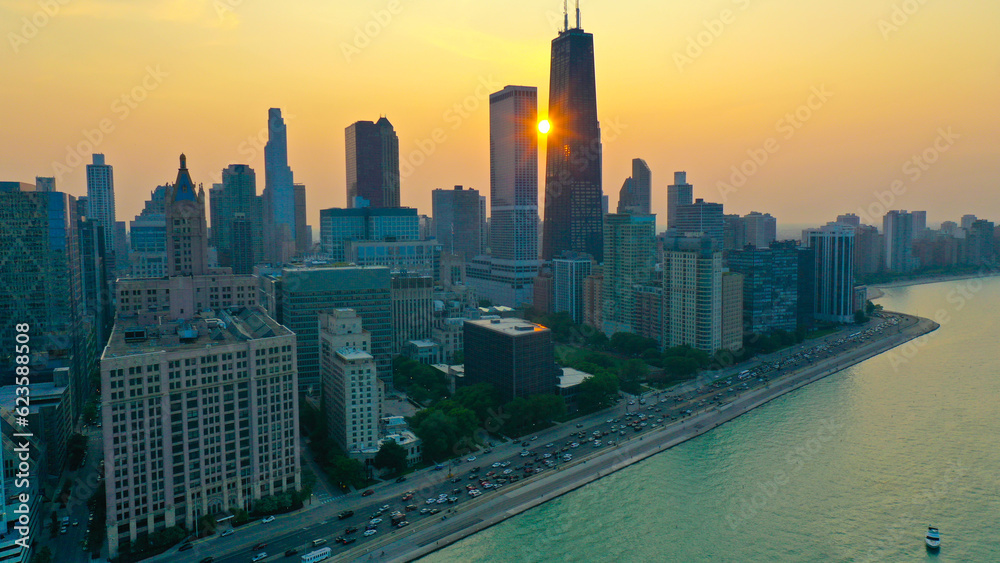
679, 193
458, 225
352, 392
833, 245
573, 190
692, 293
517, 357
593, 292
234, 201
635, 196
897, 232
770, 286
148, 252
701, 218
372, 164
732, 311
303, 238
412, 299
101, 204
629, 259
200, 415
760, 229
569, 270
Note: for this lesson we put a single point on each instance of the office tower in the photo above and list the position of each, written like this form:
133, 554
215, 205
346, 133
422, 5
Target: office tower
234, 201
295, 296
94, 289
279, 192
458, 225
121, 246
978, 248
593, 291
352, 391
412, 298
45, 184
701, 218
336, 226
734, 234
542, 291
101, 204
849, 219
569, 270
949, 227
732, 311
919, 223
770, 286
761, 229
506, 276
833, 245
868, 248
967, 221
200, 415
303, 242
806, 294
573, 192
629, 259
636, 193
679, 193
692, 293
484, 226
148, 238
372, 164
186, 231
517, 357
41, 270
897, 229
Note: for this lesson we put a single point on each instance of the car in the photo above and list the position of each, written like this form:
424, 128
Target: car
186, 547
549, 445
496, 464
452, 500
267, 520
533, 438
345, 514
368, 493
259, 546
76, 522
318, 542
579, 426
291, 552
425, 511
431, 500
456, 480
228, 532
348, 541
384, 508
375, 521
434, 511
259, 556
402, 524
471, 458
370, 532
400, 479
350, 529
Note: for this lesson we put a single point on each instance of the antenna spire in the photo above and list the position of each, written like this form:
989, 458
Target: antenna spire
578, 15
565, 16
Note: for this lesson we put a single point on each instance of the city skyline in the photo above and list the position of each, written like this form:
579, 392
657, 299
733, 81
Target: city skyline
920, 79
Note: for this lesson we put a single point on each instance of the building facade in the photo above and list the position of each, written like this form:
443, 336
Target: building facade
352, 392
517, 357
629, 259
833, 245
458, 225
635, 196
692, 293
365, 224
372, 164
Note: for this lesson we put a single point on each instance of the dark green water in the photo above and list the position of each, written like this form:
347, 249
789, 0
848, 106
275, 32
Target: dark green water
851, 468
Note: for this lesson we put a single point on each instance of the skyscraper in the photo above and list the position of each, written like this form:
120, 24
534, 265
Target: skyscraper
833, 245
303, 239
279, 192
372, 164
692, 293
101, 203
629, 258
187, 233
679, 193
569, 271
701, 218
506, 277
573, 191
232, 201
515, 356
760, 228
898, 231
457, 223
770, 286
637, 190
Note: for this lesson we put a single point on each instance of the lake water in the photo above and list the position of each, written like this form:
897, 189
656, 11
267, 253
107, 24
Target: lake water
851, 468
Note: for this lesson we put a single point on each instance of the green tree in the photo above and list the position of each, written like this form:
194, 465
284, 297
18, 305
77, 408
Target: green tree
597, 392
860, 317
43, 555
392, 456
633, 373
89, 413
480, 398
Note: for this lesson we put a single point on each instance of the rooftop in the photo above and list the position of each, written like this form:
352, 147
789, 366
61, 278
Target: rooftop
211, 328
571, 377
511, 325
353, 354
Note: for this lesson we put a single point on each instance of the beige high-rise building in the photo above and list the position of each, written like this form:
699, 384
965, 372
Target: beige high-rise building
692, 293
412, 299
200, 415
629, 259
352, 391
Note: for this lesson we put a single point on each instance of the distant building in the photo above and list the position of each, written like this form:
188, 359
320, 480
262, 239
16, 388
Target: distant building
517, 357
101, 204
422, 257
593, 304
237, 219
412, 308
372, 163
868, 249
701, 218
679, 193
760, 229
569, 270
834, 272
692, 293
458, 225
279, 198
337, 226
647, 310
186, 228
806, 295
732, 311
897, 229
849, 219
542, 290
770, 286
635, 196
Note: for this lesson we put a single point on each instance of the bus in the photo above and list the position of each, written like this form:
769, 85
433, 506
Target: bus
318, 555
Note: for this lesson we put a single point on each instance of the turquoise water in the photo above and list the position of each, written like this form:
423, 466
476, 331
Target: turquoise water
851, 468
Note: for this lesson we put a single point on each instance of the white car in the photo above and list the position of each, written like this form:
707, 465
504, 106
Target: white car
259, 556
496, 464
471, 458
268, 519
375, 521
370, 532
228, 532
431, 500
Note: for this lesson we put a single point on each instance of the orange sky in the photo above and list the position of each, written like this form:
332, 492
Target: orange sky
685, 85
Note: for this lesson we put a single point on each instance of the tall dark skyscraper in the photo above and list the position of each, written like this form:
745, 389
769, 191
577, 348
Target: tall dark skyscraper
279, 192
457, 221
236, 200
372, 164
573, 191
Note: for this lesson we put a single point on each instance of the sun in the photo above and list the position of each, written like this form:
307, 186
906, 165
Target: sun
543, 126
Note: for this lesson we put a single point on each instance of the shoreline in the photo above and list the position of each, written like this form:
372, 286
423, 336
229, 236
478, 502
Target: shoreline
494, 510
937, 278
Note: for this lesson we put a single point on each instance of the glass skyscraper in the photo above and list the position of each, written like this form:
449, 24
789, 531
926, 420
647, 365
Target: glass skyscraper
372, 164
